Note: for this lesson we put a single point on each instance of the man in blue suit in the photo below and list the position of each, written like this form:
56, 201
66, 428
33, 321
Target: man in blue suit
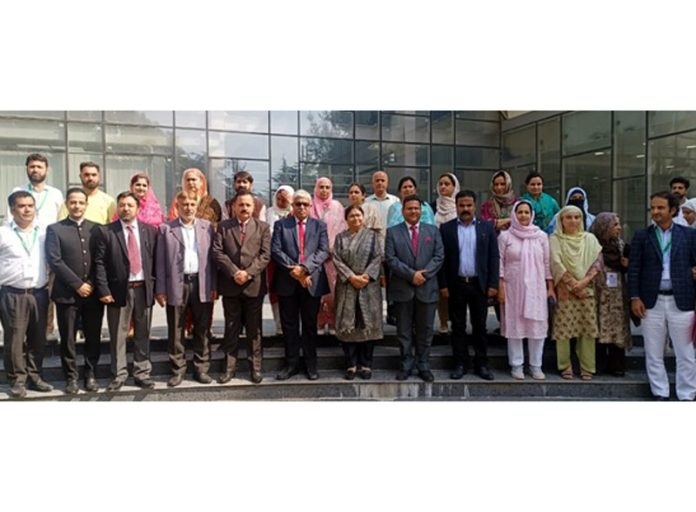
299, 246
469, 277
662, 292
414, 255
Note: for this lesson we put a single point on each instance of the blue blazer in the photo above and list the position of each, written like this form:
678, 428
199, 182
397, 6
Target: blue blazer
645, 266
285, 251
398, 253
487, 256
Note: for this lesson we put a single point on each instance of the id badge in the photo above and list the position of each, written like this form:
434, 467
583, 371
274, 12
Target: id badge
612, 279
28, 270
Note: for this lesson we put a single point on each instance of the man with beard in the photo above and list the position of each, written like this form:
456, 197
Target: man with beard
100, 205
49, 200
244, 182
680, 188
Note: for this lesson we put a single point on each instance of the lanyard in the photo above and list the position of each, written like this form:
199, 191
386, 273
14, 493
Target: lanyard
24, 244
43, 201
663, 248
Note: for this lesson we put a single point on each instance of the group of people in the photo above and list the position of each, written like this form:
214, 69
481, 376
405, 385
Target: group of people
552, 272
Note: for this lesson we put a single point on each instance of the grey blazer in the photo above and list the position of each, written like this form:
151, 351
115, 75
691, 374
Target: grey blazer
404, 264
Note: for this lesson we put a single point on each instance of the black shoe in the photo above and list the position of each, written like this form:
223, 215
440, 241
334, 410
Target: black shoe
204, 378
659, 398
40, 385
91, 383
71, 388
256, 377
312, 374
227, 376
175, 380
350, 374
484, 373
18, 391
619, 373
286, 373
426, 375
146, 383
458, 373
365, 373
403, 375
115, 384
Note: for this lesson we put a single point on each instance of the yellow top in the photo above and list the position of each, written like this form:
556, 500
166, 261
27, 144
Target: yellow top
100, 208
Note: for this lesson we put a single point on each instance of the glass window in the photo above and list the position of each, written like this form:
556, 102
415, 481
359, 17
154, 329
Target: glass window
284, 153
477, 133
664, 122
409, 112
94, 116
478, 158
74, 161
483, 115
190, 118
670, 157
284, 121
519, 147
36, 114
239, 120
142, 117
237, 145
29, 136
478, 181
326, 123
190, 150
139, 140
221, 177
367, 124
340, 175
442, 161
405, 128
366, 152
631, 205
629, 143
85, 137
421, 175
585, 131
119, 170
405, 154
326, 150
549, 146
592, 172
442, 123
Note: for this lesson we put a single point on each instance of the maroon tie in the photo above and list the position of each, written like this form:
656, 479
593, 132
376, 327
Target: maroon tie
301, 241
414, 240
242, 231
133, 252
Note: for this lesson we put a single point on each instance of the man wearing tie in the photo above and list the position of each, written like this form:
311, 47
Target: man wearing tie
414, 254
242, 252
69, 245
299, 246
125, 279
186, 277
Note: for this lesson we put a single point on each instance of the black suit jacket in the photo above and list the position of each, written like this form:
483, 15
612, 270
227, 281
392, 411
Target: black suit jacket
487, 256
69, 251
111, 266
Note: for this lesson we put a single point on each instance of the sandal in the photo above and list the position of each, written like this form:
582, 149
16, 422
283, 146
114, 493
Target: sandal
585, 375
350, 374
567, 374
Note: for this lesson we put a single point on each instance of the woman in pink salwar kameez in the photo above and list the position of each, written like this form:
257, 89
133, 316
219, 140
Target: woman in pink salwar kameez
525, 287
329, 211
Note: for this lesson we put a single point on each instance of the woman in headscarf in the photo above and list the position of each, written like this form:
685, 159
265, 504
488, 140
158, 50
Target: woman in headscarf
524, 289
194, 182
326, 209
498, 207
358, 260
407, 187
545, 206
689, 212
575, 261
281, 208
576, 196
611, 296
149, 208
445, 208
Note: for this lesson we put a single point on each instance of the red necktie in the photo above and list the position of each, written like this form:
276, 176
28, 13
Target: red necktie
301, 241
133, 253
414, 240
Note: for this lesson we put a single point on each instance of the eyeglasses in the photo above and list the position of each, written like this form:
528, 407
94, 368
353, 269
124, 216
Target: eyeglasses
301, 205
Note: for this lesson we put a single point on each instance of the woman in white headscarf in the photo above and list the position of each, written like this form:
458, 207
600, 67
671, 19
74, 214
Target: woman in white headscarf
281, 208
689, 212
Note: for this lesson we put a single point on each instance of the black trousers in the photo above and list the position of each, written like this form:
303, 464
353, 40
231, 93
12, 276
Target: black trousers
358, 353
90, 311
610, 358
243, 311
23, 317
176, 320
302, 306
463, 295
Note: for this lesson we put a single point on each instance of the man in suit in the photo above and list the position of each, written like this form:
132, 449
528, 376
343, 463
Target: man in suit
69, 248
186, 277
414, 253
125, 281
242, 251
299, 246
662, 293
469, 277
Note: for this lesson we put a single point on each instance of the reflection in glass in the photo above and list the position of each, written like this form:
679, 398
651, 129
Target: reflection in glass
586, 131
670, 157
326, 123
442, 127
190, 118
592, 172
85, 115
549, 165
190, 151
483, 115
405, 128
442, 161
664, 122
477, 133
340, 175
367, 124
221, 177
405, 154
518, 147
85, 137
477, 158
237, 145
139, 140
326, 150
27, 135
284, 154
366, 152
145, 117
629, 143
284, 121
119, 170
239, 120
632, 205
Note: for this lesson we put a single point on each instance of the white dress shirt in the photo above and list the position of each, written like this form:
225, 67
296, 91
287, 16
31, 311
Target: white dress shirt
23, 256
467, 248
190, 247
48, 203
